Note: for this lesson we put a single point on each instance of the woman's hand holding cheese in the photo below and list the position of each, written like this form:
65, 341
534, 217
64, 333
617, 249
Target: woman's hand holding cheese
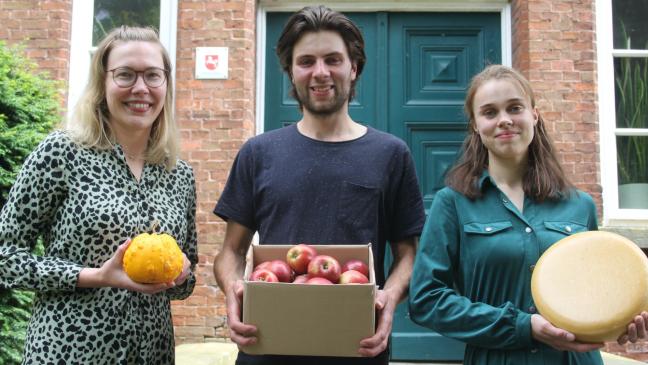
557, 338
560, 339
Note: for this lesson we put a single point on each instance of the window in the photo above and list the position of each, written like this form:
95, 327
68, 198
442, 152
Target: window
92, 20
109, 14
623, 104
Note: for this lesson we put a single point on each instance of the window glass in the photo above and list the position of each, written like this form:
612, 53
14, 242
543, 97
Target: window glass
632, 162
630, 25
632, 153
109, 14
631, 92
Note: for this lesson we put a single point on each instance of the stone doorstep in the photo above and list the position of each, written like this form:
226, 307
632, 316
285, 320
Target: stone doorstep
224, 353
209, 353
611, 359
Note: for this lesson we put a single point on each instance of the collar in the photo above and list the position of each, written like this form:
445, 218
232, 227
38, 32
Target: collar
485, 180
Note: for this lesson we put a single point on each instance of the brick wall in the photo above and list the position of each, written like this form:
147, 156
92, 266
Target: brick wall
215, 118
43, 28
554, 46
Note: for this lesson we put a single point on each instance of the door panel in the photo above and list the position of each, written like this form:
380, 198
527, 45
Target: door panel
413, 86
434, 148
439, 54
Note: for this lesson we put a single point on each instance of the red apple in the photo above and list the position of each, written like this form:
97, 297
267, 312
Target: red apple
263, 265
353, 277
319, 281
264, 275
281, 269
324, 266
301, 279
357, 265
299, 256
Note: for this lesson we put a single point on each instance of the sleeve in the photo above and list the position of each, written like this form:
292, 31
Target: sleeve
237, 199
408, 215
434, 302
190, 247
28, 214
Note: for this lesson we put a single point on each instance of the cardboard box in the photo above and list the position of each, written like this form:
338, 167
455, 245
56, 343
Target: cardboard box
306, 319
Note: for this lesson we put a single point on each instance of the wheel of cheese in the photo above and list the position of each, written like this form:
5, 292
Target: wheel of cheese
591, 284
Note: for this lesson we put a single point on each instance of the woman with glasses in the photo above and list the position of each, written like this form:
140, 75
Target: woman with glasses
111, 174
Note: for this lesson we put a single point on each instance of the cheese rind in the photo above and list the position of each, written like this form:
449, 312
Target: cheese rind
591, 284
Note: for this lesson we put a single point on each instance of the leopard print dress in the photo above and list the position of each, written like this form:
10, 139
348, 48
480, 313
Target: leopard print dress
84, 203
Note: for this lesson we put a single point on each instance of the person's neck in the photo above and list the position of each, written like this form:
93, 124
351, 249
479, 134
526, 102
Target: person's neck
336, 127
507, 173
133, 143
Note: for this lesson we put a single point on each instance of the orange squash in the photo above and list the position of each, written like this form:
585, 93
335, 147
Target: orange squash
153, 258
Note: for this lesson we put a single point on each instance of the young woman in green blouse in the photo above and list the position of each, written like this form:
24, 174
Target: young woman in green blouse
507, 201
110, 175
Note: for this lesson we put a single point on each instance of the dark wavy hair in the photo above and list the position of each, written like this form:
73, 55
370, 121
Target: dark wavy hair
544, 177
316, 19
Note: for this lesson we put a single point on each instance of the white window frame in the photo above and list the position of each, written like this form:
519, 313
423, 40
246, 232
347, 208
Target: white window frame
81, 43
613, 215
266, 6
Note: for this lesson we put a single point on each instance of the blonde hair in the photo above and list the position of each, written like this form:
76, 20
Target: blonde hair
89, 125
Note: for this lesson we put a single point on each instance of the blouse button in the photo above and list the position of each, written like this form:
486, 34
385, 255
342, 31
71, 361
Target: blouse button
532, 309
534, 350
531, 267
568, 228
527, 229
488, 229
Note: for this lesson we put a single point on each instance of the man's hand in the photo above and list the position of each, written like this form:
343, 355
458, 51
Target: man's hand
385, 307
557, 338
240, 333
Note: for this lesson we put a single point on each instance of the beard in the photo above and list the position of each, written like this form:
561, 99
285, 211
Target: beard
322, 108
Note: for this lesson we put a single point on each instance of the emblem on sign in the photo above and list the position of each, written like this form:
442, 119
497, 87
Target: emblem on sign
211, 62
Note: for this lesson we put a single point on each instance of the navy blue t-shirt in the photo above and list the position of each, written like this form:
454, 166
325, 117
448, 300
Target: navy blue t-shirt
294, 189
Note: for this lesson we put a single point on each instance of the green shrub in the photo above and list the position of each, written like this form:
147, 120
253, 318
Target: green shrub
29, 109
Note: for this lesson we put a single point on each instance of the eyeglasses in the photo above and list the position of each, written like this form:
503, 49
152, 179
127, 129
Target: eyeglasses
127, 77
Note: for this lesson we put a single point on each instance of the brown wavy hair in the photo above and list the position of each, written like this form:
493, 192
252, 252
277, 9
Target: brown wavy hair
316, 19
90, 123
544, 177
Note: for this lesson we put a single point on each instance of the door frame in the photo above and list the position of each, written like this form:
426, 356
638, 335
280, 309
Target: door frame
265, 6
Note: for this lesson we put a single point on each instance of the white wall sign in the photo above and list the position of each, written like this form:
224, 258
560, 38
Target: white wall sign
211, 62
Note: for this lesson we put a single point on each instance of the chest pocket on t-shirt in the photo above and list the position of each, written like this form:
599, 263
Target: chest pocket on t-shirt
357, 213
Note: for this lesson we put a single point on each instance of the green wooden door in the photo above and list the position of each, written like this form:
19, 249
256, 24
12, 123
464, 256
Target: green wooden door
413, 85
432, 58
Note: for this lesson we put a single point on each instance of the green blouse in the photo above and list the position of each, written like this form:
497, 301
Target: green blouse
84, 203
472, 273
